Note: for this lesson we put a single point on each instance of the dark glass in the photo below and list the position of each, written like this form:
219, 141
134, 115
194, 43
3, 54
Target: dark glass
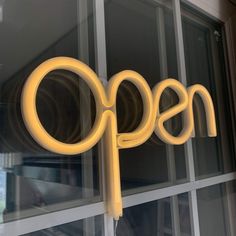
77, 228
203, 42
217, 209
140, 36
38, 181
184, 214
160, 217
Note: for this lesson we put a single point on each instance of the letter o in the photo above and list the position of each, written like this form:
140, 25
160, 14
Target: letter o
29, 111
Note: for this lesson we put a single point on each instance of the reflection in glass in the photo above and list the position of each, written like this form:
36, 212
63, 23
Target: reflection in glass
2, 194
205, 65
217, 209
37, 181
162, 217
140, 37
77, 228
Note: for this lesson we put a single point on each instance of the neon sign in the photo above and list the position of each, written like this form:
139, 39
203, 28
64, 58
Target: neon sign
106, 118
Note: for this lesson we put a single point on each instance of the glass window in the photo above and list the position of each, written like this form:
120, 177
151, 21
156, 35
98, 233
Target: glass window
78, 228
162, 217
140, 37
216, 206
203, 42
2, 194
37, 181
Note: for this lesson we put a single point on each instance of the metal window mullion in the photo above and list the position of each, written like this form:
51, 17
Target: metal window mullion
169, 148
101, 69
183, 79
162, 60
153, 195
195, 229
188, 146
52, 219
17, 195
230, 205
100, 37
87, 157
40, 222
227, 202
175, 215
164, 74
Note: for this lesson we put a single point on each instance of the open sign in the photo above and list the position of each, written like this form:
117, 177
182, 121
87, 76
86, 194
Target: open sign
106, 118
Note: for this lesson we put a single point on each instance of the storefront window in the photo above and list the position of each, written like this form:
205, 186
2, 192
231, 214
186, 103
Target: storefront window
216, 206
37, 181
162, 217
74, 228
203, 41
140, 37
167, 190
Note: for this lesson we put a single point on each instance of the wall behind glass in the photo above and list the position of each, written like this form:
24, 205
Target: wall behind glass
38, 181
205, 64
140, 36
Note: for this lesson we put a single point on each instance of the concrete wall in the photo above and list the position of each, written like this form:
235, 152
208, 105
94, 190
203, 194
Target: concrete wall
221, 9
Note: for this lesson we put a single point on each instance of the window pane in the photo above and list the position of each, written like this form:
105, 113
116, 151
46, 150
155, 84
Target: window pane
2, 194
217, 209
140, 36
162, 217
77, 228
38, 181
205, 65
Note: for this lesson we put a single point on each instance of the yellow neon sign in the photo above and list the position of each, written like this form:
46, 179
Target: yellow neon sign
106, 119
